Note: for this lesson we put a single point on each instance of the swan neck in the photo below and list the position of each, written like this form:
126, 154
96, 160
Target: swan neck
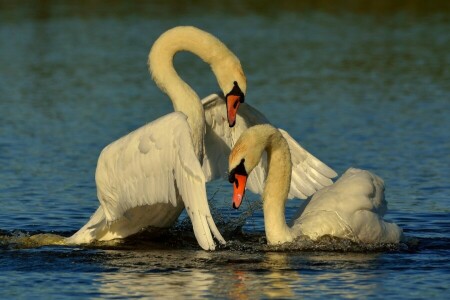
183, 97
276, 190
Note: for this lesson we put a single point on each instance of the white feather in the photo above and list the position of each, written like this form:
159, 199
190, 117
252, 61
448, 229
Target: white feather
309, 174
151, 168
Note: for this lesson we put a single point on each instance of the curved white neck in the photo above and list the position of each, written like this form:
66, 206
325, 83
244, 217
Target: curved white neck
183, 97
276, 189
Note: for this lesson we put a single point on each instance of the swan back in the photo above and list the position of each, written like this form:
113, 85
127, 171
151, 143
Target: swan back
351, 208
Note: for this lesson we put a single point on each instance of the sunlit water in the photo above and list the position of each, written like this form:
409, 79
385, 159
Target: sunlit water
366, 88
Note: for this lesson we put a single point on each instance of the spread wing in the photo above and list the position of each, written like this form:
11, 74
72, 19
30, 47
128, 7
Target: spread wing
308, 173
156, 166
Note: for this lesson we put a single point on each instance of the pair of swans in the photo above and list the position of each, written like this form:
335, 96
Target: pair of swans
351, 208
146, 178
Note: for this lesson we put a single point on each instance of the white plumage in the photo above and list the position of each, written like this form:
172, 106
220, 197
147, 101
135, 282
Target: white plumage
145, 179
309, 174
353, 207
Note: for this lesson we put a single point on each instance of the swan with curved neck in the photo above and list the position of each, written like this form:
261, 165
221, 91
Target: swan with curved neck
146, 178
224, 64
350, 208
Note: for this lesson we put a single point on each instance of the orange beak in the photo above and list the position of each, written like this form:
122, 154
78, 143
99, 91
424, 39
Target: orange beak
233, 103
239, 190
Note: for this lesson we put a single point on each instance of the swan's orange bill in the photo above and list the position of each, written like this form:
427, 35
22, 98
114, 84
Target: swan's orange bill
239, 189
233, 103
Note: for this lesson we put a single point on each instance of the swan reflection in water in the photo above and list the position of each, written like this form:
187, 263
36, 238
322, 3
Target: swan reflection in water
237, 275
283, 275
163, 273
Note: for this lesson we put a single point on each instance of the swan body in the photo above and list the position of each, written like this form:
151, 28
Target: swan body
351, 208
147, 177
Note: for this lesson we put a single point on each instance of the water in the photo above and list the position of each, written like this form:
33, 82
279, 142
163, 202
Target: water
358, 85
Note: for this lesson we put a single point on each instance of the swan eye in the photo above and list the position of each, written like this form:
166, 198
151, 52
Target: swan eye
231, 177
240, 169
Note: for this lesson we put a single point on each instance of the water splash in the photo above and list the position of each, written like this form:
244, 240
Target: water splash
24, 240
181, 236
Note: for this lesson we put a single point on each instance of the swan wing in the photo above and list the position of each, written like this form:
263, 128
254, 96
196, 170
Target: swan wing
309, 174
220, 138
152, 166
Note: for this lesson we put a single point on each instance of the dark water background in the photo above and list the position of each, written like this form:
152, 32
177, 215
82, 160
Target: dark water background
358, 84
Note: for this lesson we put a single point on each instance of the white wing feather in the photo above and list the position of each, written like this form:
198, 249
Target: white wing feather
156, 164
308, 173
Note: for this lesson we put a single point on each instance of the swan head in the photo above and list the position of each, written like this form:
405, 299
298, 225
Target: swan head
233, 99
238, 177
244, 157
232, 82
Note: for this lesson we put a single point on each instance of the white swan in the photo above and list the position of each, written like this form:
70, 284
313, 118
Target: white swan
351, 208
147, 177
